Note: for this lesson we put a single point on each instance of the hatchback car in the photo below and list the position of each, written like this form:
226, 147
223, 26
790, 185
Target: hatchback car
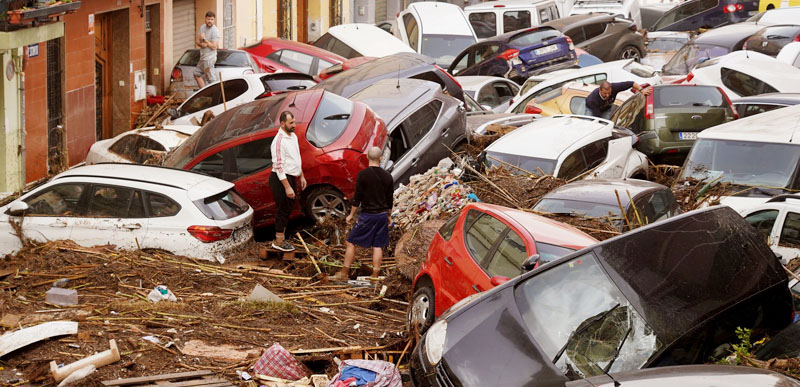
626, 202
639, 300
568, 147
757, 104
662, 46
493, 93
770, 40
234, 92
139, 146
424, 124
301, 57
439, 30
230, 63
481, 247
359, 39
605, 36
695, 14
778, 221
333, 133
709, 45
516, 55
338, 68
667, 121
569, 99
746, 73
181, 212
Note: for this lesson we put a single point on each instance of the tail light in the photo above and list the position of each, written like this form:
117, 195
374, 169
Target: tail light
689, 77
730, 8
728, 100
499, 6
177, 74
531, 109
269, 94
208, 234
649, 108
448, 75
633, 27
797, 38
571, 45
509, 54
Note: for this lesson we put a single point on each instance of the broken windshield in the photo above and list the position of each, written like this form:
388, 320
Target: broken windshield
583, 322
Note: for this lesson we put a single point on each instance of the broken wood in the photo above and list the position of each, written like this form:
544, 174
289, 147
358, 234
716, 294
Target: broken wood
97, 360
374, 313
314, 261
153, 380
12, 341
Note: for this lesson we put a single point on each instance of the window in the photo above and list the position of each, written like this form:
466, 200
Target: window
115, 202
595, 79
534, 37
763, 221
160, 205
130, 147
58, 200
577, 105
516, 20
595, 153
753, 109
323, 42
330, 120
790, 234
296, 60
411, 31
222, 206
446, 231
509, 256
322, 65
483, 52
399, 144
504, 91
583, 159
239, 161
572, 166
796, 62
656, 206
482, 235
544, 15
341, 48
743, 84
576, 34
679, 96
419, 123
203, 99
594, 30
484, 24
488, 96
625, 116
461, 62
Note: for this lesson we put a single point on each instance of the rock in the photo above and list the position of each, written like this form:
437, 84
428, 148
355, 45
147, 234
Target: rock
261, 294
63, 297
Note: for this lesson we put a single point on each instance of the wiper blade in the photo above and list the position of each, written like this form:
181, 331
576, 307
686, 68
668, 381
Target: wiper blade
583, 328
619, 349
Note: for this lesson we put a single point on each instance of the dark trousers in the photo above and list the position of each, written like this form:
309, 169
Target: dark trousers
283, 204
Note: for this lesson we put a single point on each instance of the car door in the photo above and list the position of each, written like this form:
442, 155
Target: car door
767, 224
53, 211
483, 60
596, 42
414, 146
788, 245
505, 260
163, 230
505, 93
115, 215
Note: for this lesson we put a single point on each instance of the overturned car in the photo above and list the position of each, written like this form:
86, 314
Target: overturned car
669, 293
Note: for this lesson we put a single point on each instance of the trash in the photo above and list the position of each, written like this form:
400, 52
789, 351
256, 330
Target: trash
325, 310
10, 320
63, 297
359, 283
277, 362
60, 283
97, 360
222, 352
191, 378
378, 373
243, 375
12, 341
382, 293
152, 339
78, 375
161, 293
261, 294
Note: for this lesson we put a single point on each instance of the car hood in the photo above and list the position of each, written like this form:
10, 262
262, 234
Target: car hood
743, 203
478, 123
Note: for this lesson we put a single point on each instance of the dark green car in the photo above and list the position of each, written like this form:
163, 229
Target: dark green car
668, 120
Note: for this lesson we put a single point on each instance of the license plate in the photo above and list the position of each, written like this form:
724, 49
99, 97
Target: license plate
546, 50
687, 135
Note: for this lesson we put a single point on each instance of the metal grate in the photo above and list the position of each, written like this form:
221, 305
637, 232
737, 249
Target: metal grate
336, 12
98, 99
228, 26
285, 19
56, 146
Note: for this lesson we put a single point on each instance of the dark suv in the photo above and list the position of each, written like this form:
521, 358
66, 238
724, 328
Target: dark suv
696, 14
603, 35
668, 120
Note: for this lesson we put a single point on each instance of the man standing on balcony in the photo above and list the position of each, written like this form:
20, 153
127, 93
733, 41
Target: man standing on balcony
208, 41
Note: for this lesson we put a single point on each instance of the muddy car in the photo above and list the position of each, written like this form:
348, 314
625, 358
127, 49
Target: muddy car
665, 294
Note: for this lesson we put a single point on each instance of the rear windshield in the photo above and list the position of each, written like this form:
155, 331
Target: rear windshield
330, 120
548, 96
575, 207
533, 37
288, 83
523, 164
222, 206
684, 96
639, 70
665, 44
688, 56
224, 58
444, 48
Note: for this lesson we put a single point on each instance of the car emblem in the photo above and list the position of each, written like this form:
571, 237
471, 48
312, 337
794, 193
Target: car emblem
764, 44
697, 117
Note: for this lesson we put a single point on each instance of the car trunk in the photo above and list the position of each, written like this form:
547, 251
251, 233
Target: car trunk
685, 122
549, 51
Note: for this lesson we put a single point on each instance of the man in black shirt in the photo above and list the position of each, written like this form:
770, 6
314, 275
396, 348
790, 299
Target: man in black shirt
601, 99
374, 194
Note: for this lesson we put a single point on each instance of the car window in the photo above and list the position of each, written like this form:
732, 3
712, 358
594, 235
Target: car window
589, 156
287, 83
160, 206
203, 99
790, 233
577, 105
687, 57
516, 20
341, 48
322, 65
461, 62
576, 34
296, 60
533, 37
682, 96
484, 24
747, 110
222, 206
504, 91
744, 84
763, 221
115, 202
508, 258
653, 207
482, 235
238, 161
234, 88
399, 144
58, 200
412, 32
594, 30
595, 153
446, 231
330, 120
323, 42
483, 52
134, 146
488, 96
227, 58
548, 253
419, 123
796, 62
626, 114
572, 166
544, 15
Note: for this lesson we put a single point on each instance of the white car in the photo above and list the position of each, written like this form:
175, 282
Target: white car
779, 220
568, 147
359, 39
437, 29
775, 16
616, 71
746, 73
790, 54
139, 145
628, 9
493, 93
237, 91
132, 207
758, 155
493, 18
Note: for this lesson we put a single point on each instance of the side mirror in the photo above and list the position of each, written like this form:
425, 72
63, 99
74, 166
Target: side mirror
17, 208
498, 280
530, 263
173, 113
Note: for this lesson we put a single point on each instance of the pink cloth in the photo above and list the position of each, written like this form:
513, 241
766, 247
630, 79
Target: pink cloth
277, 362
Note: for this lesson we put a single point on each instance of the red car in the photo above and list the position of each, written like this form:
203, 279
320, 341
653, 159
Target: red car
301, 57
482, 247
334, 134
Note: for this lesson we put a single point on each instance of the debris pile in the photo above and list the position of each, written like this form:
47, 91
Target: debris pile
155, 114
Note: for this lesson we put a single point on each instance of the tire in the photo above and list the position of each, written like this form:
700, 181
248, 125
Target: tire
325, 201
422, 310
630, 52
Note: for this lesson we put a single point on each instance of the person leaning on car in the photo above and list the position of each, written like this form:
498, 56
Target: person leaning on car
601, 99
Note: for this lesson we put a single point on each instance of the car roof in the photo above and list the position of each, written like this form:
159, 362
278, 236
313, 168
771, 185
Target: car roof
768, 68
603, 190
390, 97
433, 16
782, 14
367, 39
548, 137
500, 4
776, 126
508, 36
542, 229
475, 82
776, 98
729, 35
578, 72
577, 19
198, 185
281, 43
352, 80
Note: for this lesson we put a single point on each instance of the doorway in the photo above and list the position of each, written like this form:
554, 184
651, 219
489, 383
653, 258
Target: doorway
102, 76
302, 21
57, 159
112, 73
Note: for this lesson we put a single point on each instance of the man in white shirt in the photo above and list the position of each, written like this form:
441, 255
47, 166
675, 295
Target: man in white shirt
208, 41
287, 170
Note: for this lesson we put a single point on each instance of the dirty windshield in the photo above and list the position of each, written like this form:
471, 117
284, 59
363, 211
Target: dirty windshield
762, 164
582, 321
444, 48
521, 164
688, 56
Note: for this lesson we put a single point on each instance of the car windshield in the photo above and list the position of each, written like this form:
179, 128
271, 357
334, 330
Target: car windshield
523, 163
665, 44
687, 57
330, 120
533, 37
555, 93
688, 96
582, 321
748, 163
577, 207
444, 48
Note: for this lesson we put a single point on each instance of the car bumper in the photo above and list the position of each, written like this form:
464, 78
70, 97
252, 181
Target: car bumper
425, 375
655, 147
527, 70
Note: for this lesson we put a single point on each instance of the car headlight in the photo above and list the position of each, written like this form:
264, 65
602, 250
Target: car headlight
434, 341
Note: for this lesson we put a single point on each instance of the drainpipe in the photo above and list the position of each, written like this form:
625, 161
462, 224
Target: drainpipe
21, 117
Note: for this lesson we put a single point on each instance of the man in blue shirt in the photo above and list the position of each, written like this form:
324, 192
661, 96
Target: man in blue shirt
601, 99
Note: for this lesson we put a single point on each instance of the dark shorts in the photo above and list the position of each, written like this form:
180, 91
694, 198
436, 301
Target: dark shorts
370, 230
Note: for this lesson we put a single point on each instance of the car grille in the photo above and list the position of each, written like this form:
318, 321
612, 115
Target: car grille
441, 376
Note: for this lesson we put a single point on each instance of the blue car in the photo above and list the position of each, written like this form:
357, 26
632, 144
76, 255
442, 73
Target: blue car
695, 14
517, 55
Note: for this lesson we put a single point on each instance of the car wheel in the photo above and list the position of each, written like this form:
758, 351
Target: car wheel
422, 310
630, 52
323, 201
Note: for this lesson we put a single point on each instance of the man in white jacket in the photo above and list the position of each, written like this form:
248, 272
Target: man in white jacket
286, 177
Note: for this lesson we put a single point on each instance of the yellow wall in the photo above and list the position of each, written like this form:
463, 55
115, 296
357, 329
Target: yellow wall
270, 17
246, 23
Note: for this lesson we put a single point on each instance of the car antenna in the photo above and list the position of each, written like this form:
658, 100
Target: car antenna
398, 75
293, 99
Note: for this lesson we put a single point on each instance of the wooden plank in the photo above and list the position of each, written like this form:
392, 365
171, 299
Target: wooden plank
197, 382
145, 379
332, 349
13, 341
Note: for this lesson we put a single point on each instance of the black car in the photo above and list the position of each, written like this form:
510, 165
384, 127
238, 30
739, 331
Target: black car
665, 294
603, 35
756, 104
708, 45
695, 14
402, 65
770, 40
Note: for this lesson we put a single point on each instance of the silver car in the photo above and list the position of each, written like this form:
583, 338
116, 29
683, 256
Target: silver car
424, 123
230, 63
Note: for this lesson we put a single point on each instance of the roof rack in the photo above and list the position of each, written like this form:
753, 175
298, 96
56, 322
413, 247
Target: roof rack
782, 198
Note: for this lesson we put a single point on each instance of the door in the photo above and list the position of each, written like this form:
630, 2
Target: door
504, 261
183, 31
103, 91
596, 43
161, 224
53, 212
767, 225
114, 215
422, 147
788, 245
302, 21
